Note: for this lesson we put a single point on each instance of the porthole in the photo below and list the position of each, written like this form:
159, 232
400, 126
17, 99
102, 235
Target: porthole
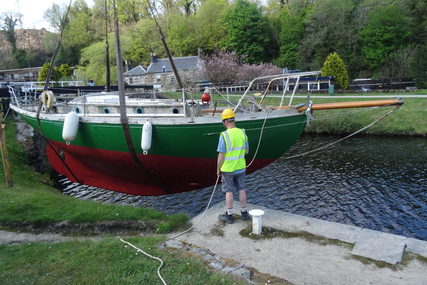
175, 111
77, 110
106, 111
139, 110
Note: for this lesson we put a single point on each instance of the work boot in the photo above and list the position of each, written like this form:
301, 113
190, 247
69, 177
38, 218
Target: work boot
226, 218
245, 215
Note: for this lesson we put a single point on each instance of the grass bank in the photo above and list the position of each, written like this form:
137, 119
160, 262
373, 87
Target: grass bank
38, 204
108, 261
409, 120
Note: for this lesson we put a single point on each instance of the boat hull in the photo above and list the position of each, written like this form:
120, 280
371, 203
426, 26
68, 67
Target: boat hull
182, 158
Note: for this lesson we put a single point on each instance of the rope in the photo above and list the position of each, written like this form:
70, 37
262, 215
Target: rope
150, 256
344, 138
217, 180
201, 217
260, 137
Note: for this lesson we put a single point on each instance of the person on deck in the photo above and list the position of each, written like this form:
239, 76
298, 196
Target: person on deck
232, 147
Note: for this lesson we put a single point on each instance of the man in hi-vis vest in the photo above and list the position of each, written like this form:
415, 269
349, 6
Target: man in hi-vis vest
232, 147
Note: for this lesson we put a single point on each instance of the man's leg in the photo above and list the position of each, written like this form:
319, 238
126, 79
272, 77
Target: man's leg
227, 187
229, 202
243, 205
242, 198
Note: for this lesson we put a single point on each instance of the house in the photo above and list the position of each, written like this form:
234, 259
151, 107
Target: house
135, 76
20, 74
160, 74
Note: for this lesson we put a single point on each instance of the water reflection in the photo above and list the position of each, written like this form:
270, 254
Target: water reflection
372, 182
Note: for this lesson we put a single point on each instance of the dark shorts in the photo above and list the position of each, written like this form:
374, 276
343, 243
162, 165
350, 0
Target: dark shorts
233, 182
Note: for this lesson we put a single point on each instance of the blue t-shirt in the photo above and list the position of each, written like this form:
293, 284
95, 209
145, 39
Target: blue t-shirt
223, 148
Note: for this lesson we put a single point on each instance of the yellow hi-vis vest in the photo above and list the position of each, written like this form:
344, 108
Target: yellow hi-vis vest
235, 140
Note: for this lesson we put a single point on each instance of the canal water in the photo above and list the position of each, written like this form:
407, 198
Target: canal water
379, 183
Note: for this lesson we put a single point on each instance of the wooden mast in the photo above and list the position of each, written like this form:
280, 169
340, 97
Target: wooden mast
107, 52
163, 39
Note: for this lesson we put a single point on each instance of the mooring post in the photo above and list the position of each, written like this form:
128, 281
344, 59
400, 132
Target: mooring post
5, 153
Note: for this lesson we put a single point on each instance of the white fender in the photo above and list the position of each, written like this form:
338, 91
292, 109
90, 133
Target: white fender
147, 134
71, 125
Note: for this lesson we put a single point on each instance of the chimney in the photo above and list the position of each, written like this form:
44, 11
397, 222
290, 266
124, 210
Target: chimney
153, 57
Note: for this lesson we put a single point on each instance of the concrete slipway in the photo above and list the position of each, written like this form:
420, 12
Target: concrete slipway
311, 251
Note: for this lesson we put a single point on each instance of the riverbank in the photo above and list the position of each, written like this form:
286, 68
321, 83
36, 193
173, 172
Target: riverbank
408, 120
50, 238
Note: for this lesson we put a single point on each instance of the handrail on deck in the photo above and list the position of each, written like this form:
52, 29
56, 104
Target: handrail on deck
277, 77
13, 95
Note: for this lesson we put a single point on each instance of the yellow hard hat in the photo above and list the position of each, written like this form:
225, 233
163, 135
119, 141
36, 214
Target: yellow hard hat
227, 114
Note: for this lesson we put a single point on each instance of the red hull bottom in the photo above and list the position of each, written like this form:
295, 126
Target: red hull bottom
117, 171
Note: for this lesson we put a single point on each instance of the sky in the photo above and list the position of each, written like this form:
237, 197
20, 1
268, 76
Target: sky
32, 11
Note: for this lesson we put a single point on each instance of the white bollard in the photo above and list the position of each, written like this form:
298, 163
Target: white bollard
256, 221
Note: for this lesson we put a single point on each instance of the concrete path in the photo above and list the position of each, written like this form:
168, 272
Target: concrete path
9, 238
331, 254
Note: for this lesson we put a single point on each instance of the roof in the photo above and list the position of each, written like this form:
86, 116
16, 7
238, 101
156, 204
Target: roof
181, 63
139, 70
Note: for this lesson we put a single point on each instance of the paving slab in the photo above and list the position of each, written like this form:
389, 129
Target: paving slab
417, 246
380, 246
296, 259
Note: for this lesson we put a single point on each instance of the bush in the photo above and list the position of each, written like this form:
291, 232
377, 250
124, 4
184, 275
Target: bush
334, 66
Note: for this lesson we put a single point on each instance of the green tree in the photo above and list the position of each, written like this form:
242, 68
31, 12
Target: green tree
334, 66
92, 64
248, 32
181, 34
419, 67
386, 31
128, 11
64, 70
78, 32
139, 41
45, 69
209, 30
417, 13
9, 29
292, 19
328, 28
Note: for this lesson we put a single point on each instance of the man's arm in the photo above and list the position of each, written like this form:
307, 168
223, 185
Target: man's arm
221, 157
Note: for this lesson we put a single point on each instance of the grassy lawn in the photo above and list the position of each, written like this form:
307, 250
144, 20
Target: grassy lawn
108, 261
38, 203
409, 119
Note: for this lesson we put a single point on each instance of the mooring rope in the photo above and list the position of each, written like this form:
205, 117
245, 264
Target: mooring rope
346, 137
217, 180
203, 214
259, 140
150, 256
298, 155
253, 159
